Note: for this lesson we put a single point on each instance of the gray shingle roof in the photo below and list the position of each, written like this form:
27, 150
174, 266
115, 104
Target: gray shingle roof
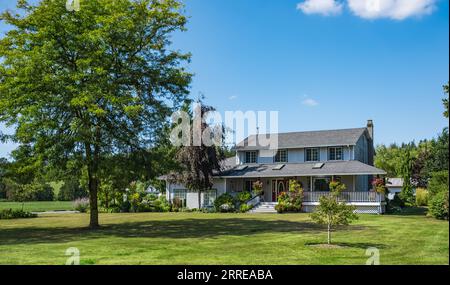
352, 167
307, 139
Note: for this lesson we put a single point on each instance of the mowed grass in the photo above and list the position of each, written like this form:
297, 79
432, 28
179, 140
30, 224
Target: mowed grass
38, 206
194, 238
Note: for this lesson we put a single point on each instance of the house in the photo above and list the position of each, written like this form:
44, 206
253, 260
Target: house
313, 158
394, 186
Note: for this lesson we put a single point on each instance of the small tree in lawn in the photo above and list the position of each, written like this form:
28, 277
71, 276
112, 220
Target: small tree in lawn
332, 212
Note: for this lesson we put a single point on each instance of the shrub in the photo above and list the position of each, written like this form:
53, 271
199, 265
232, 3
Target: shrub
224, 203
71, 190
10, 214
258, 188
438, 206
438, 183
379, 185
81, 205
227, 208
161, 205
395, 205
292, 201
421, 197
244, 196
244, 208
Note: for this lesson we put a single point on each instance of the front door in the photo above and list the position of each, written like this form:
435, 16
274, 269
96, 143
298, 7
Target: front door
278, 186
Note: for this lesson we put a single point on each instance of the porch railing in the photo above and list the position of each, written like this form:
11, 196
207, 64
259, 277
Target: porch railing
346, 196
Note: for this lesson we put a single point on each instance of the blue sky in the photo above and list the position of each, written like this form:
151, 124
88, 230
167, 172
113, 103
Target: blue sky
322, 64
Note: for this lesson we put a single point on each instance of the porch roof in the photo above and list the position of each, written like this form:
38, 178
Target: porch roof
338, 168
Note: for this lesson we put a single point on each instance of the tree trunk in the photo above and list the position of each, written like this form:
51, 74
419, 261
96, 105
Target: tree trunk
199, 200
329, 233
93, 187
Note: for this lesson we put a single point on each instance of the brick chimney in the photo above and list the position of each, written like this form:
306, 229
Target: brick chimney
370, 128
371, 142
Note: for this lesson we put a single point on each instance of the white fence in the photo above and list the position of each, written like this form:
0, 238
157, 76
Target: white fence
346, 196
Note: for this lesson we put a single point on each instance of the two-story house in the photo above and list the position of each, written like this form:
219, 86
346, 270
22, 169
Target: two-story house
313, 158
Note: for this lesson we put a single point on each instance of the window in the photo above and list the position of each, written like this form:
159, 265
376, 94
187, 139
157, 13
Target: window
322, 184
180, 194
250, 157
312, 154
249, 185
335, 153
209, 198
281, 156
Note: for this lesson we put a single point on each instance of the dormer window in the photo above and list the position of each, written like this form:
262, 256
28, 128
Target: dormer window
312, 154
335, 153
250, 157
281, 156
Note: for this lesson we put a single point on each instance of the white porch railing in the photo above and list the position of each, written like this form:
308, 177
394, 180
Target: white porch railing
345, 196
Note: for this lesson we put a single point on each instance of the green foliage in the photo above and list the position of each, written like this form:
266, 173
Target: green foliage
291, 201
395, 206
439, 182
71, 190
225, 203
35, 191
337, 187
10, 214
445, 100
421, 197
417, 162
379, 185
81, 205
258, 188
438, 206
333, 213
244, 208
91, 83
243, 197
438, 195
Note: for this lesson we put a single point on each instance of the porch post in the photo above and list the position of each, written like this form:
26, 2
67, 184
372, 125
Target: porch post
225, 183
312, 186
354, 183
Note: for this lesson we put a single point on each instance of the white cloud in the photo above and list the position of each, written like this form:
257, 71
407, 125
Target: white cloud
322, 7
234, 97
310, 102
392, 9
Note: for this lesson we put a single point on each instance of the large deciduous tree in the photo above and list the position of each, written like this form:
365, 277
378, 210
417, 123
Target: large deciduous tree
93, 82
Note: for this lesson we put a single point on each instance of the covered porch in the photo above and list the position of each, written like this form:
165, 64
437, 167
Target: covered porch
313, 186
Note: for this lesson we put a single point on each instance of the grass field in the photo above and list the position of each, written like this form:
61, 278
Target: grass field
38, 206
193, 238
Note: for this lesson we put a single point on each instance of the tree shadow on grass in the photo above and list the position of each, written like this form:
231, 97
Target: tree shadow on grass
175, 229
360, 245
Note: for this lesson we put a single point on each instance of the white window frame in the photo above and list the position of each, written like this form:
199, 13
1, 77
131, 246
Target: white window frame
335, 153
278, 158
209, 197
312, 157
251, 160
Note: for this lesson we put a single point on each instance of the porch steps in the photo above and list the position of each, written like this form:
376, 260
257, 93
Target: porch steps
264, 208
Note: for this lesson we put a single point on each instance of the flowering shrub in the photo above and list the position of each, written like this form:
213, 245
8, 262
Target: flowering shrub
258, 188
224, 203
379, 185
81, 205
292, 201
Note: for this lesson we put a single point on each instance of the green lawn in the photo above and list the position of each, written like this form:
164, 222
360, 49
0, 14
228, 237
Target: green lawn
38, 206
193, 238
